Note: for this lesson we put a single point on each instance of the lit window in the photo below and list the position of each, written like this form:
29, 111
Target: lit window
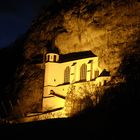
83, 72
67, 75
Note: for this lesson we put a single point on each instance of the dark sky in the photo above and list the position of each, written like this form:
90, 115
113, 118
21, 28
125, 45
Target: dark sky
16, 17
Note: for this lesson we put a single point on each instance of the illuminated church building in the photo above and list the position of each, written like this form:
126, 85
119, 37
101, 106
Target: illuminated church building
62, 71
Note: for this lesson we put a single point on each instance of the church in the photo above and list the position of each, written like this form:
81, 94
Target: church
64, 70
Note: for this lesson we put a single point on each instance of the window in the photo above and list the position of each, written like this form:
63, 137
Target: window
83, 72
96, 73
67, 75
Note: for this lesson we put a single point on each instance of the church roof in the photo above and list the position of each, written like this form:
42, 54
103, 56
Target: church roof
76, 56
104, 73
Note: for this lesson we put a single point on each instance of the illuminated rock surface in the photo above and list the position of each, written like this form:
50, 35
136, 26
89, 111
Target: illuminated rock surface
110, 29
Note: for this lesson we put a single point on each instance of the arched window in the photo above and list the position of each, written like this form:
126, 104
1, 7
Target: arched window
96, 73
67, 75
83, 72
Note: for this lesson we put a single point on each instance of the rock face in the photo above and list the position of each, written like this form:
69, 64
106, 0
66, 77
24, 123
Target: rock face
106, 28
109, 28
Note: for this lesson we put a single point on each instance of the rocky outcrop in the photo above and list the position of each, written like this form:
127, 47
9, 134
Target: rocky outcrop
109, 28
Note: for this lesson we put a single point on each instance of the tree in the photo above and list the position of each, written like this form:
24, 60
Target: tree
80, 100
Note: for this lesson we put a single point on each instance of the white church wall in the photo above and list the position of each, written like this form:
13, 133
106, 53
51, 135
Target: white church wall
52, 74
54, 79
52, 103
62, 90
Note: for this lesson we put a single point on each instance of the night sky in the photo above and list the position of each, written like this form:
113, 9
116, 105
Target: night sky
16, 17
